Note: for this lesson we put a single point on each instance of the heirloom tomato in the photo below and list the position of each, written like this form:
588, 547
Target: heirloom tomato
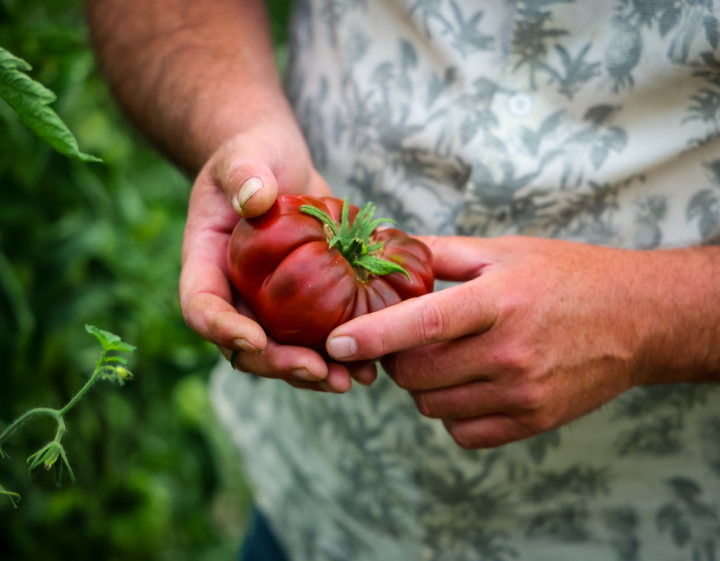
310, 264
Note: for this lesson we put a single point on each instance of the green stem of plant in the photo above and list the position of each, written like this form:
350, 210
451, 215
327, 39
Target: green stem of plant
83, 391
60, 429
57, 414
19, 421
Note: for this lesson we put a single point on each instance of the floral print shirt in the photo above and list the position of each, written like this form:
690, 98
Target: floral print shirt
595, 121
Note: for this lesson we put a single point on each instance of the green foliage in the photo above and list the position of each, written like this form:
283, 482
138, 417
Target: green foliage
105, 369
100, 244
30, 100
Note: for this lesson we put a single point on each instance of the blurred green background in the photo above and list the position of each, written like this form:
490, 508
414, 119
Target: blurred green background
100, 244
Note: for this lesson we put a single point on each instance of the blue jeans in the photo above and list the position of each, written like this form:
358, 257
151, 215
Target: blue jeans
260, 543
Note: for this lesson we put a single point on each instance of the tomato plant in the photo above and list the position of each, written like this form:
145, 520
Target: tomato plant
310, 264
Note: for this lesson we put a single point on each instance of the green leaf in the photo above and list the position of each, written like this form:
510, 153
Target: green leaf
99, 333
30, 100
380, 266
121, 346
109, 341
119, 359
362, 215
334, 242
366, 228
344, 221
377, 223
10, 495
3, 454
321, 214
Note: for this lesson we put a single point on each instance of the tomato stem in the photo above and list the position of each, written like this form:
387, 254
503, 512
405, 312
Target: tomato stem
354, 241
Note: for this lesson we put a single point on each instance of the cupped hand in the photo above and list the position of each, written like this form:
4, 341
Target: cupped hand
243, 179
540, 333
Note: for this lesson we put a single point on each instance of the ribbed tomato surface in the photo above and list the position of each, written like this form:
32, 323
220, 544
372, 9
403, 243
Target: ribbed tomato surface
300, 289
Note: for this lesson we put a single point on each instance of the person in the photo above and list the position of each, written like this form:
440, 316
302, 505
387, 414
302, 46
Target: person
558, 398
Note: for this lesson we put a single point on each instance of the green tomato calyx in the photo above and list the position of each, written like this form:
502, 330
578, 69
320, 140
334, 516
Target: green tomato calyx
355, 241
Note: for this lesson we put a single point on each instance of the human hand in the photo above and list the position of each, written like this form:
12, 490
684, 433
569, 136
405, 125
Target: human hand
242, 179
541, 333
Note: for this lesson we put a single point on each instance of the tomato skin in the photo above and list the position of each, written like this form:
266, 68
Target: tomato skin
301, 290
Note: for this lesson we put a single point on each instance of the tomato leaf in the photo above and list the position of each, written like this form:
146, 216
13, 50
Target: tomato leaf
109, 341
30, 100
321, 215
380, 266
344, 222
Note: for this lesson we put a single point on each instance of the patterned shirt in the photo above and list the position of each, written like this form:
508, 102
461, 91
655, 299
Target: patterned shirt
595, 121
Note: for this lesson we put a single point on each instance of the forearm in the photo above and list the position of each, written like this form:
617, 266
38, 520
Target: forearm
189, 74
678, 293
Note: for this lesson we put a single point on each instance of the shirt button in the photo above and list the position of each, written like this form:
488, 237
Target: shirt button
520, 104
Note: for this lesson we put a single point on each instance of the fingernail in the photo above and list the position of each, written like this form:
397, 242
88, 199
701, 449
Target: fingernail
244, 345
249, 188
304, 374
342, 347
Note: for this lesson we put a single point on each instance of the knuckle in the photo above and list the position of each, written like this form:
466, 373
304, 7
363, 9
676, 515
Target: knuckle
434, 322
530, 397
515, 358
511, 303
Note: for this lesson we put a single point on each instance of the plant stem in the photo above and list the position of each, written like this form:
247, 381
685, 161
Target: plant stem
60, 429
82, 392
57, 414
19, 421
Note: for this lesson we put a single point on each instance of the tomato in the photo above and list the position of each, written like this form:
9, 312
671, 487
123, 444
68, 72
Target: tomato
310, 264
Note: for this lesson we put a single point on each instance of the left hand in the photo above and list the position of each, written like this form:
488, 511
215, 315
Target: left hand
541, 333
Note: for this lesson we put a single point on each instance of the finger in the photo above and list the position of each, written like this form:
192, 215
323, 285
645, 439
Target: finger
338, 379
216, 320
205, 293
490, 431
244, 175
300, 383
453, 363
283, 362
364, 375
479, 399
460, 258
455, 312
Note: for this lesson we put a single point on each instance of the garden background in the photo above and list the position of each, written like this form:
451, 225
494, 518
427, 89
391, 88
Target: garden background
100, 244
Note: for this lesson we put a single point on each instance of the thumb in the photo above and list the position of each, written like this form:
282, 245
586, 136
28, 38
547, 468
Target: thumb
246, 179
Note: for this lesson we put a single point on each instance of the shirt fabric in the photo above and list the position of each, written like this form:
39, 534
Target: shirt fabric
593, 121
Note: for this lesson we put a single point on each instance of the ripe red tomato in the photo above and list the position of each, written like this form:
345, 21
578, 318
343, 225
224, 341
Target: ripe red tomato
310, 264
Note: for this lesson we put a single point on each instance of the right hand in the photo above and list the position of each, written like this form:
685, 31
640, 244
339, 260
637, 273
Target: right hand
243, 179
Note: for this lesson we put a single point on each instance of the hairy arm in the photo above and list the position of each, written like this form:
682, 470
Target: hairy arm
199, 79
542, 332
190, 75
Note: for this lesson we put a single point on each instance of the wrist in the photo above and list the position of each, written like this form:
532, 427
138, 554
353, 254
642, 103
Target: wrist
231, 111
677, 311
